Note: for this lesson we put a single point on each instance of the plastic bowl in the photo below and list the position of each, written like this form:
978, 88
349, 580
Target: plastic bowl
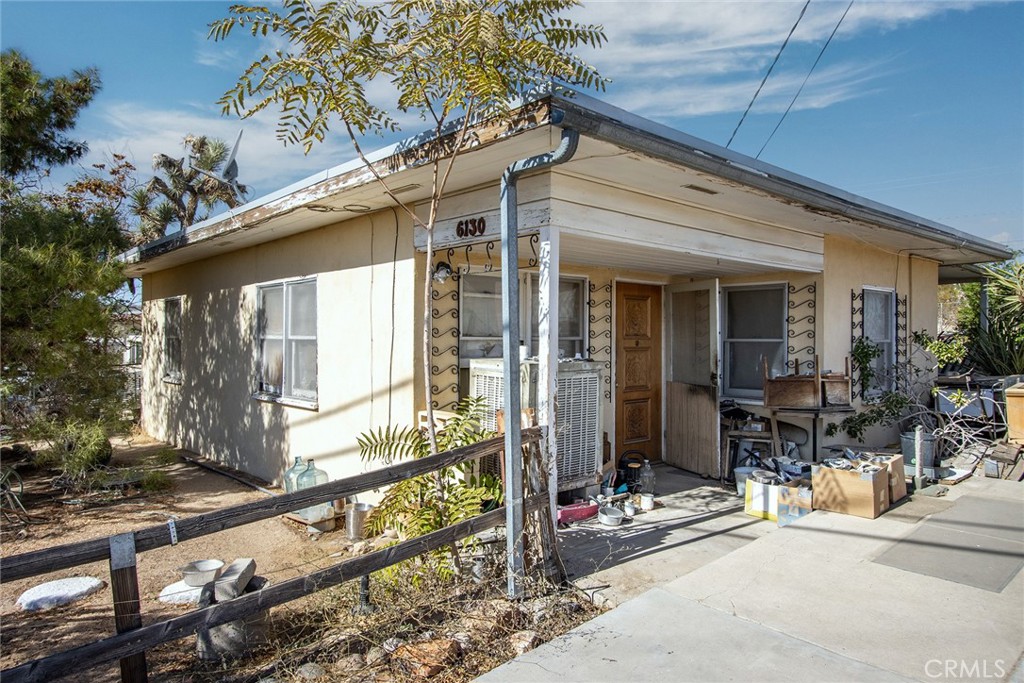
201, 572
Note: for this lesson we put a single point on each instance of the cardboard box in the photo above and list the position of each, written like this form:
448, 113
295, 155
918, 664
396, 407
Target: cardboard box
794, 502
851, 492
762, 500
897, 478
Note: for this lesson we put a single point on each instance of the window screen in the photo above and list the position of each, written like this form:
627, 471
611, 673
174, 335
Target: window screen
754, 335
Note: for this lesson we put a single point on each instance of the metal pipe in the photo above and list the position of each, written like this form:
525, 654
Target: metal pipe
515, 563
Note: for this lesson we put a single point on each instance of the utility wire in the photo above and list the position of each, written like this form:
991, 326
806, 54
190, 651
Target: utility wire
763, 80
801, 88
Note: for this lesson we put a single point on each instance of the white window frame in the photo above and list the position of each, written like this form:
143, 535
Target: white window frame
173, 340
888, 345
528, 289
285, 392
727, 340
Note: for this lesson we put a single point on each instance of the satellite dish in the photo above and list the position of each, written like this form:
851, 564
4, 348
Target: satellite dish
229, 175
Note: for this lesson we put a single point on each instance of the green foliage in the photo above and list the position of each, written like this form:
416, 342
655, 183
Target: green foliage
155, 481
948, 351
420, 505
999, 349
58, 311
58, 308
888, 409
166, 456
179, 190
37, 113
862, 358
470, 56
79, 448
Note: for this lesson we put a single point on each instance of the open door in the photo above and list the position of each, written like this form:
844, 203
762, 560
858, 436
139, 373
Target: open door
692, 437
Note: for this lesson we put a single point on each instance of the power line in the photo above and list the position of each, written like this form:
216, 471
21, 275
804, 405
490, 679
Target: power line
801, 88
763, 80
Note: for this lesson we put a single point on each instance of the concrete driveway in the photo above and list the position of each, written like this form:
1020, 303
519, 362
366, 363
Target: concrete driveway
932, 590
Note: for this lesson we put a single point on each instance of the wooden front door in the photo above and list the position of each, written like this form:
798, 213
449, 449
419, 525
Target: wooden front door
638, 369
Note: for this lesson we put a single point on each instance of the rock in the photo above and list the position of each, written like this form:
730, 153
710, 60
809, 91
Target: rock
463, 639
376, 655
59, 592
350, 663
311, 671
180, 593
524, 641
488, 618
428, 658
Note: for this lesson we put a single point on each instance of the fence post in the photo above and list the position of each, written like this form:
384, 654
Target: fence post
124, 583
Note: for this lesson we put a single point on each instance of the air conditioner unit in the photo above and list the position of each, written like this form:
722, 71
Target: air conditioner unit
577, 412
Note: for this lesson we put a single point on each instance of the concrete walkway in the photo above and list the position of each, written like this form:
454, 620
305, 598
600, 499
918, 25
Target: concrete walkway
932, 590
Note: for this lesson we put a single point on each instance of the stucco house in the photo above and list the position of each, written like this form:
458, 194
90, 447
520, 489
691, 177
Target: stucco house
677, 268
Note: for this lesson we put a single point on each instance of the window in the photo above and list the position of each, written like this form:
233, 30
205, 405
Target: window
286, 332
480, 315
172, 340
754, 334
134, 353
880, 330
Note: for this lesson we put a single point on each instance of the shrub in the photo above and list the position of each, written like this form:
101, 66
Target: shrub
155, 481
79, 448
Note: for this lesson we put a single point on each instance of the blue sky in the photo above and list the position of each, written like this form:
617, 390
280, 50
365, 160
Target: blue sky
919, 105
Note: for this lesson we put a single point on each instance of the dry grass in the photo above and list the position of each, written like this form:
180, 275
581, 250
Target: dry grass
325, 630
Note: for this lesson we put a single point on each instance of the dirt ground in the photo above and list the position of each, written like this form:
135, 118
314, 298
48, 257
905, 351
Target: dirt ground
281, 549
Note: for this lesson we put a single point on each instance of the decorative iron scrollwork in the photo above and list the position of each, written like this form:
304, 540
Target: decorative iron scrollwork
534, 241
856, 333
488, 249
902, 341
805, 297
600, 300
444, 316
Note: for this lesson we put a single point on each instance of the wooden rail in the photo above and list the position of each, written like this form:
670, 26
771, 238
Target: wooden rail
74, 554
133, 639
124, 645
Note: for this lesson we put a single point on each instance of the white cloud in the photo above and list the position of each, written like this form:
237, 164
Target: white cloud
691, 58
265, 164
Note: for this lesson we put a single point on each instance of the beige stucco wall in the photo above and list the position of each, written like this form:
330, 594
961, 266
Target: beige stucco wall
850, 266
362, 383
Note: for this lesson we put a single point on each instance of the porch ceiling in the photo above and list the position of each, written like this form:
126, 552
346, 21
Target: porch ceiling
623, 255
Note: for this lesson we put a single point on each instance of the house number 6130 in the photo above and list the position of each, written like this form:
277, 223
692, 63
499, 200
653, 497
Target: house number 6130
471, 227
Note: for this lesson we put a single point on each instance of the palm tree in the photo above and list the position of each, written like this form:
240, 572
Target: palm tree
177, 192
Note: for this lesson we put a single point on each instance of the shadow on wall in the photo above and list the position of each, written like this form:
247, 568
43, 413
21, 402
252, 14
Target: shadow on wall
215, 414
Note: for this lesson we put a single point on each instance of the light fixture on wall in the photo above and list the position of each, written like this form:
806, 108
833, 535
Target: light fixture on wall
442, 271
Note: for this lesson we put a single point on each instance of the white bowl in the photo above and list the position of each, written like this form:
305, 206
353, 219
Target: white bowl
201, 572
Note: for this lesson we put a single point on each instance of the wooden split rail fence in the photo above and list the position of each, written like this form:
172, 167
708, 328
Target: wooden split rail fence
133, 639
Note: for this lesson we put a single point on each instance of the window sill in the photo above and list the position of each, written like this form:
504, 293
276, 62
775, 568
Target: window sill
167, 379
286, 401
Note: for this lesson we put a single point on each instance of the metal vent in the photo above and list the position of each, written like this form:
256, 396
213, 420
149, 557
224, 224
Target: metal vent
577, 413
579, 425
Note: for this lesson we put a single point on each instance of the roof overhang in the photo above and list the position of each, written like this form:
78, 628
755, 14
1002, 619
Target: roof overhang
669, 159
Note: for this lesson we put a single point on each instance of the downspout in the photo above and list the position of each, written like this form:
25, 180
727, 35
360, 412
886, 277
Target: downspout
514, 500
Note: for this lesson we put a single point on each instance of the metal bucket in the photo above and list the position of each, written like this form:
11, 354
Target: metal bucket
355, 519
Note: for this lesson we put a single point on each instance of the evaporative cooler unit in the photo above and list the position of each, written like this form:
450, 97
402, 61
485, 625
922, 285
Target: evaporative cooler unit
577, 413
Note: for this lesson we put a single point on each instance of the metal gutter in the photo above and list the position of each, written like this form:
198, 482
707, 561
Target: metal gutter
514, 497
599, 120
